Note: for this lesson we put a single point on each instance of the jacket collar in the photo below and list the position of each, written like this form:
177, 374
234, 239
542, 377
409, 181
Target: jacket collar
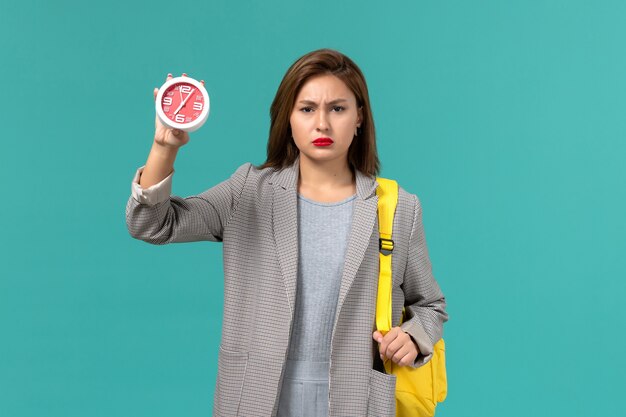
287, 178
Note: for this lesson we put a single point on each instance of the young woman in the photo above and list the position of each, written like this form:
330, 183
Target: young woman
300, 240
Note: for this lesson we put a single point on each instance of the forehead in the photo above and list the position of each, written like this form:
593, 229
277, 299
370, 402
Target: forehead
324, 87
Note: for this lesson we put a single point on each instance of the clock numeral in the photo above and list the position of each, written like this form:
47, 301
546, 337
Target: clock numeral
167, 101
185, 89
180, 118
197, 106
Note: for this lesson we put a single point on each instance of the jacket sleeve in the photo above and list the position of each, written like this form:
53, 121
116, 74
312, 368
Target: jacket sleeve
156, 217
425, 304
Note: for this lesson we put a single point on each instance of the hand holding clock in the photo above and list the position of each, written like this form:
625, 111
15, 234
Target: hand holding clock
176, 116
182, 106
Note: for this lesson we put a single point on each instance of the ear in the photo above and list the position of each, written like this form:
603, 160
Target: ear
359, 118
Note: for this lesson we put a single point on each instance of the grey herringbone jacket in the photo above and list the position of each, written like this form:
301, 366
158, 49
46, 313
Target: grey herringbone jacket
254, 214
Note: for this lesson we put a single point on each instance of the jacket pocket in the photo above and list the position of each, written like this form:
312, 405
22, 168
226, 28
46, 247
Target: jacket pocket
381, 395
231, 372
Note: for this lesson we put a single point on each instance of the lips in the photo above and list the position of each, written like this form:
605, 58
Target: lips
323, 141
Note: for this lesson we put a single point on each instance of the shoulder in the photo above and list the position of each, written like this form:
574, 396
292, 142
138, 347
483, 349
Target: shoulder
407, 201
411, 200
407, 198
249, 177
249, 172
408, 210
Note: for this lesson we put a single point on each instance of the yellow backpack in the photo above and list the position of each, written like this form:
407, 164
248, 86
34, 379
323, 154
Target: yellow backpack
418, 390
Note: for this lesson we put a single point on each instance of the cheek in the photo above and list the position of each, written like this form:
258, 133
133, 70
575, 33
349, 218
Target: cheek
297, 130
294, 123
347, 127
298, 124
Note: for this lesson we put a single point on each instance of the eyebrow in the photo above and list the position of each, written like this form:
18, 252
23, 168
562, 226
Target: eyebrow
339, 100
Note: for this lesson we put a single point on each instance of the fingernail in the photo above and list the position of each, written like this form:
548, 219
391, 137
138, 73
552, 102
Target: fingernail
169, 75
184, 74
202, 81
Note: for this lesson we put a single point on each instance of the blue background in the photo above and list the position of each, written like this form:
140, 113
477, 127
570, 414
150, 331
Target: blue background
507, 119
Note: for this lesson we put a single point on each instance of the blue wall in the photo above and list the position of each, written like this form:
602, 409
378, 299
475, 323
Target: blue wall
507, 119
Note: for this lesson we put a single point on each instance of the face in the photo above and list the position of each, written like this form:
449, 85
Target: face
325, 108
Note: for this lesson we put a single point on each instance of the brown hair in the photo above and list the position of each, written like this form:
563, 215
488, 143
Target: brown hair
281, 149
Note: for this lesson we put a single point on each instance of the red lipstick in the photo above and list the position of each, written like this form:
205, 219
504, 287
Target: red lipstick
323, 142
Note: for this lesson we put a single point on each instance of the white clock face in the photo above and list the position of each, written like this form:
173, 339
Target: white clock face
182, 103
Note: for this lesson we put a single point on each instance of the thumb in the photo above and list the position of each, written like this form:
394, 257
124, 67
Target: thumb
377, 336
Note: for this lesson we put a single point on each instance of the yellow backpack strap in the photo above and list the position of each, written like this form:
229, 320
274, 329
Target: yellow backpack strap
387, 192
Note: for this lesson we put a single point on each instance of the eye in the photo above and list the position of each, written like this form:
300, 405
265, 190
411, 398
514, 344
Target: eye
338, 108
306, 109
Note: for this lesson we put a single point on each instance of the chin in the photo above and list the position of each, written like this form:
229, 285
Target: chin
324, 155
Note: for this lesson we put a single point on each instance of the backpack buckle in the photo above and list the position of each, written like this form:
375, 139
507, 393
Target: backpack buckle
385, 246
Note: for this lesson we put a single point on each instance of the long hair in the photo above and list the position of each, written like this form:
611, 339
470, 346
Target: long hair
281, 149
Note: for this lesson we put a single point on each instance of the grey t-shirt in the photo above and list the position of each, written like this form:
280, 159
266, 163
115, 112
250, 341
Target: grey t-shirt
323, 230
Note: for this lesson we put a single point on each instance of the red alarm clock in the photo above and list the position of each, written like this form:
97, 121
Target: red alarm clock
182, 103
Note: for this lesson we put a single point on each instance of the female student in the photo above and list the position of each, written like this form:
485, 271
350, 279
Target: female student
300, 243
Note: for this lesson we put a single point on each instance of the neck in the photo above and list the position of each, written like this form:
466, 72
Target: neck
326, 174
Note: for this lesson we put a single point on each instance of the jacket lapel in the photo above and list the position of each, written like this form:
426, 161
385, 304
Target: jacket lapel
285, 226
363, 221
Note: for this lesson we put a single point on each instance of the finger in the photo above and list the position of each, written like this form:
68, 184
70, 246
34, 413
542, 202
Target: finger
387, 340
392, 341
400, 353
169, 77
402, 339
408, 359
202, 81
392, 349
155, 92
184, 74
377, 336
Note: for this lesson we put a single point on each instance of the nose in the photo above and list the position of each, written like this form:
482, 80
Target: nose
322, 122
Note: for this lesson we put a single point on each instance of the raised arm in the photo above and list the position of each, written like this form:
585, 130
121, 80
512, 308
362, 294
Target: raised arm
157, 217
